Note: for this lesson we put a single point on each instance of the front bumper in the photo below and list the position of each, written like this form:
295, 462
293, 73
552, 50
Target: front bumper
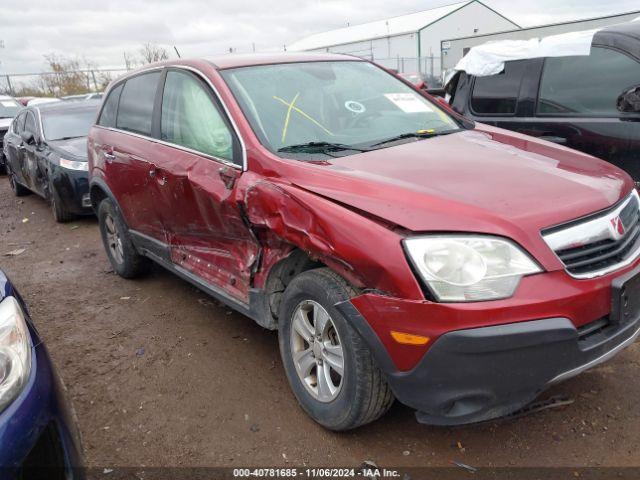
38, 434
73, 188
489, 359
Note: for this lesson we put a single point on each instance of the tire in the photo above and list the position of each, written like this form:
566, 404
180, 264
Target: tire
362, 394
124, 258
18, 190
60, 214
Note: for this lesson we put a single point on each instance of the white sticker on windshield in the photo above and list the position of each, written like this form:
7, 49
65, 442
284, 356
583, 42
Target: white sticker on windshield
355, 107
408, 102
8, 104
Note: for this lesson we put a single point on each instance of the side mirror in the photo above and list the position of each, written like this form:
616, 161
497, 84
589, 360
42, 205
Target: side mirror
28, 138
629, 101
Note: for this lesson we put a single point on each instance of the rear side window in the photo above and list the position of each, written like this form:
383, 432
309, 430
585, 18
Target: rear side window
586, 85
498, 94
110, 109
18, 123
190, 117
135, 110
30, 125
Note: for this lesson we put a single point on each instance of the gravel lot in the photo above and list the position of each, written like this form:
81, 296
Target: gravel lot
162, 375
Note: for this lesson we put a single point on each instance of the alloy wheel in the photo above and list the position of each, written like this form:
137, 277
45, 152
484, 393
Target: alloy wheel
317, 351
113, 239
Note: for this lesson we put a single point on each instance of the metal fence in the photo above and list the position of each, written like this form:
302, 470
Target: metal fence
428, 66
93, 80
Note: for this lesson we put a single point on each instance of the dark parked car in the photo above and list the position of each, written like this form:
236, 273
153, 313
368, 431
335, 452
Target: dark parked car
400, 250
575, 101
9, 108
38, 434
46, 150
83, 97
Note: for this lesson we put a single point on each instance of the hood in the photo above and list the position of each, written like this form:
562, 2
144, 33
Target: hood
74, 147
486, 180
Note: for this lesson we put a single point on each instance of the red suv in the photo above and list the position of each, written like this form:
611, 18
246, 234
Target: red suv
400, 250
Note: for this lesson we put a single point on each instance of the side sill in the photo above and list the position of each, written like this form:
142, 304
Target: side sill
160, 253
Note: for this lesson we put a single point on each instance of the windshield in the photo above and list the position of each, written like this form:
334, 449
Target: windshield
343, 104
9, 108
64, 125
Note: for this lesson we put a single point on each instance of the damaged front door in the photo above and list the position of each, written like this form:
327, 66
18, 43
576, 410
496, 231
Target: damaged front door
196, 168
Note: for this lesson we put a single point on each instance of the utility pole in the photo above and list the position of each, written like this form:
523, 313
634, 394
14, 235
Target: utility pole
9, 86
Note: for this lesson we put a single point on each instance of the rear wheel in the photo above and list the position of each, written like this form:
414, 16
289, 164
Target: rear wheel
329, 367
124, 258
18, 190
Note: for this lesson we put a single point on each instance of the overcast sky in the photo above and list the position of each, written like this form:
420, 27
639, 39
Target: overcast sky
101, 30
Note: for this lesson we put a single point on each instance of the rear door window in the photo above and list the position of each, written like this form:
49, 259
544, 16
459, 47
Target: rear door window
498, 94
586, 85
190, 117
135, 110
110, 109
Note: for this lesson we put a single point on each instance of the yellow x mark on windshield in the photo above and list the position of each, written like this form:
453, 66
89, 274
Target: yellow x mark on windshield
291, 106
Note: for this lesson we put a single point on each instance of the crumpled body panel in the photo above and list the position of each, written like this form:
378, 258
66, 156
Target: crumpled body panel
333, 235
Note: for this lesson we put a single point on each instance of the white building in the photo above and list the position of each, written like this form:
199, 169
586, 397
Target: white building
409, 43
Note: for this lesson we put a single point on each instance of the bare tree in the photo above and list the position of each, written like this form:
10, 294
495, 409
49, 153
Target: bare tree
66, 77
151, 53
129, 60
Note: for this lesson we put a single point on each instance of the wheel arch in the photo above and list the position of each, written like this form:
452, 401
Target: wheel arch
98, 191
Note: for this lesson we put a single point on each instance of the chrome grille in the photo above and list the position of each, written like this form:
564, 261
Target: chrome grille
600, 243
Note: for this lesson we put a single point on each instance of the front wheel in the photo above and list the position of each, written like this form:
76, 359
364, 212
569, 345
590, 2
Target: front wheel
60, 214
329, 367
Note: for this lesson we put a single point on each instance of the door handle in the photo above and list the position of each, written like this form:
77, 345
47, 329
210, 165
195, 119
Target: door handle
554, 139
21, 147
158, 174
108, 154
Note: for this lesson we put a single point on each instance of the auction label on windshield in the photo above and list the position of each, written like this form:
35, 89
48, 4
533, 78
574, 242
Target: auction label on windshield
408, 102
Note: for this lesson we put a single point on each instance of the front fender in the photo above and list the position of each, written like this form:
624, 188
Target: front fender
361, 249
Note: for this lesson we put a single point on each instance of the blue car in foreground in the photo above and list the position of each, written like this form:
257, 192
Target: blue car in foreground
38, 435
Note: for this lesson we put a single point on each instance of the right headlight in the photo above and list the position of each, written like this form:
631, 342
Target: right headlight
15, 351
467, 268
74, 164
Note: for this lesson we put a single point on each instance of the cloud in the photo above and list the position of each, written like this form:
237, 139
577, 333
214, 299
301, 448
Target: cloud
102, 31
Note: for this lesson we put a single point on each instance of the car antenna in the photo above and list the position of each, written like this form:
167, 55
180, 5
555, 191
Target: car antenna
177, 52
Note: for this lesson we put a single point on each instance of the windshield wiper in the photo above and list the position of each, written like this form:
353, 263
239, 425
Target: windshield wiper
418, 134
320, 147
